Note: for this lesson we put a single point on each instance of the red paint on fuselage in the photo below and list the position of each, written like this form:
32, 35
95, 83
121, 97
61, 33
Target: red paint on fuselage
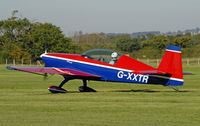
132, 64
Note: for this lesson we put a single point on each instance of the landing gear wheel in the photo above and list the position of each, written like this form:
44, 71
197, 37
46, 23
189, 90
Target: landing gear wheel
56, 89
86, 89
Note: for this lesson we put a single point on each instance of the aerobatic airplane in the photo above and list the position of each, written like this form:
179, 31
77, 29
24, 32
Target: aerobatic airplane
111, 66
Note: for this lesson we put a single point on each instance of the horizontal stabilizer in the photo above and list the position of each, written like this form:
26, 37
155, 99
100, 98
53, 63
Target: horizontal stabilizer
153, 72
187, 73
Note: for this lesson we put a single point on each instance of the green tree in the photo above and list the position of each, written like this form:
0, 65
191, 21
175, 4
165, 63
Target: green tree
183, 41
47, 36
25, 38
160, 42
125, 43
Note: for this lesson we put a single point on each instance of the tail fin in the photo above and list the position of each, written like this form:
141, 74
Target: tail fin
172, 64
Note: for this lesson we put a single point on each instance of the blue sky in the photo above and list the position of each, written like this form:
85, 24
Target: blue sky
116, 16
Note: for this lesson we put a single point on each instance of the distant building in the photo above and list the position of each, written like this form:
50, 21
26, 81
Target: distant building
138, 34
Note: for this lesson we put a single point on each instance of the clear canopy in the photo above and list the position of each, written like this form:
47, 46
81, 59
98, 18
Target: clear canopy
103, 55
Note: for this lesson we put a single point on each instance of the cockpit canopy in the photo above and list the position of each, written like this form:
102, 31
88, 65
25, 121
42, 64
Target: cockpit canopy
102, 55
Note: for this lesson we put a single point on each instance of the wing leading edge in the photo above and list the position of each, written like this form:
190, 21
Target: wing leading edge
53, 70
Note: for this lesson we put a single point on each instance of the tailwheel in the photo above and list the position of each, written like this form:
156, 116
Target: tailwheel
176, 89
85, 88
56, 89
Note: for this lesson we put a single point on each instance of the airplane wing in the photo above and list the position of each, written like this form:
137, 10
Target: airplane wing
53, 70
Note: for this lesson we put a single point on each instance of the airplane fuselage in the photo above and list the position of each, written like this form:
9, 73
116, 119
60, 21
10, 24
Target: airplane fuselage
106, 71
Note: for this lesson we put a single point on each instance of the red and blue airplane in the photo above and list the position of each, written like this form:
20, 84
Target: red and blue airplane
111, 66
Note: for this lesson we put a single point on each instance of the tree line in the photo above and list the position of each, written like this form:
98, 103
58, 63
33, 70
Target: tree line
144, 46
21, 38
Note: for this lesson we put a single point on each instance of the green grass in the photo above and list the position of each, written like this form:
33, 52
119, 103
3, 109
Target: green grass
25, 101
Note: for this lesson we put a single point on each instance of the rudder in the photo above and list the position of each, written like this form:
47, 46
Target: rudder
172, 64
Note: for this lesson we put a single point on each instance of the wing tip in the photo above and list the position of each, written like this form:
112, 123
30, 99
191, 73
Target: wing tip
10, 68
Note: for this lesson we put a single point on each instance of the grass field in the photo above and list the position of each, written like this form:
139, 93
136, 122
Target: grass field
25, 101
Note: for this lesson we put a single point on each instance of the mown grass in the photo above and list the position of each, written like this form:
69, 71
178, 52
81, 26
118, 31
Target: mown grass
25, 101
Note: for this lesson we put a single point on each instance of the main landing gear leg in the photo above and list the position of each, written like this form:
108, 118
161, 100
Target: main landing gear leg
63, 82
85, 88
59, 89
176, 89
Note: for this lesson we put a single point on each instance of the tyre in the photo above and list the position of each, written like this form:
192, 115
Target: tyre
56, 89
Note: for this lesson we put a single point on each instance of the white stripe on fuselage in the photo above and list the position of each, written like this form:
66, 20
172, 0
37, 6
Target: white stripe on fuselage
94, 64
173, 51
176, 79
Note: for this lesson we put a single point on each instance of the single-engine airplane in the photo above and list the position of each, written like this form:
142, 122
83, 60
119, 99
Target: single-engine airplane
111, 66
